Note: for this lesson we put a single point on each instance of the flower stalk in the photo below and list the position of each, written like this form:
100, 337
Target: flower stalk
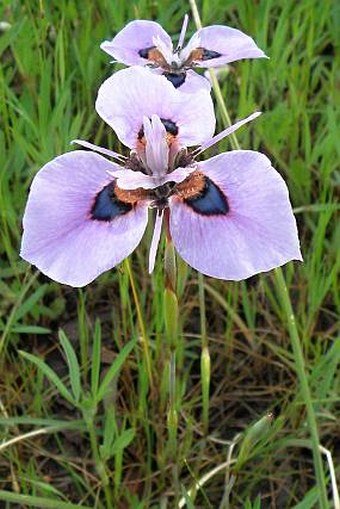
171, 330
205, 356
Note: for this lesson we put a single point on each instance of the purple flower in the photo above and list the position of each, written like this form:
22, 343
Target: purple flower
145, 42
229, 216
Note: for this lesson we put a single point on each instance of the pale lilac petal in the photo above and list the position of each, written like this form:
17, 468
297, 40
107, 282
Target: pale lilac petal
60, 236
132, 94
156, 148
179, 174
129, 179
165, 50
100, 150
230, 43
136, 36
156, 237
193, 44
226, 132
257, 234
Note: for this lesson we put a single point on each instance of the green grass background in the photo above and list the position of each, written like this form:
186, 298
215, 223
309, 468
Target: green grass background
113, 450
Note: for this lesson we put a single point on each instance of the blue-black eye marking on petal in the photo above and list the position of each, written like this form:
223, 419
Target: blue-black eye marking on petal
208, 54
169, 125
176, 79
144, 53
210, 201
107, 206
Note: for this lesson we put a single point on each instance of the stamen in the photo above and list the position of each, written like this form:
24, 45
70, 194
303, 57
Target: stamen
224, 134
155, 239
182, 158
135, 163
101, 150
183, 32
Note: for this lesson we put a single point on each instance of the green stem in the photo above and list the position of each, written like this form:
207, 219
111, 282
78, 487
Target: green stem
171, 329
306, 394
172, 417
223, 109
205, 356
202, 309
39, 502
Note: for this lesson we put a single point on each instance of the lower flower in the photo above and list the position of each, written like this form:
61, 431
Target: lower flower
229, 216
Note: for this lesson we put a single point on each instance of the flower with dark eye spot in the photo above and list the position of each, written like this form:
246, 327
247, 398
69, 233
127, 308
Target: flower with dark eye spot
146, 43
229, 216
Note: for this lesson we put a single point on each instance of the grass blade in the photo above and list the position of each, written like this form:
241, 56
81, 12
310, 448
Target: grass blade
113, 370
50, 374
73, 365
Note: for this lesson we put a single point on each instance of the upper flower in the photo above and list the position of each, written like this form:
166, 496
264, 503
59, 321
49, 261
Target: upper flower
145, 42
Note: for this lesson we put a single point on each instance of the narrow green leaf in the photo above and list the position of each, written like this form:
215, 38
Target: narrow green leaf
110, 433
29, 329
46, 488
188, 501
123, 441
40, 502
34, 421
50, 374
10, 36
73, 364
113, 370
28, 304
309, 500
